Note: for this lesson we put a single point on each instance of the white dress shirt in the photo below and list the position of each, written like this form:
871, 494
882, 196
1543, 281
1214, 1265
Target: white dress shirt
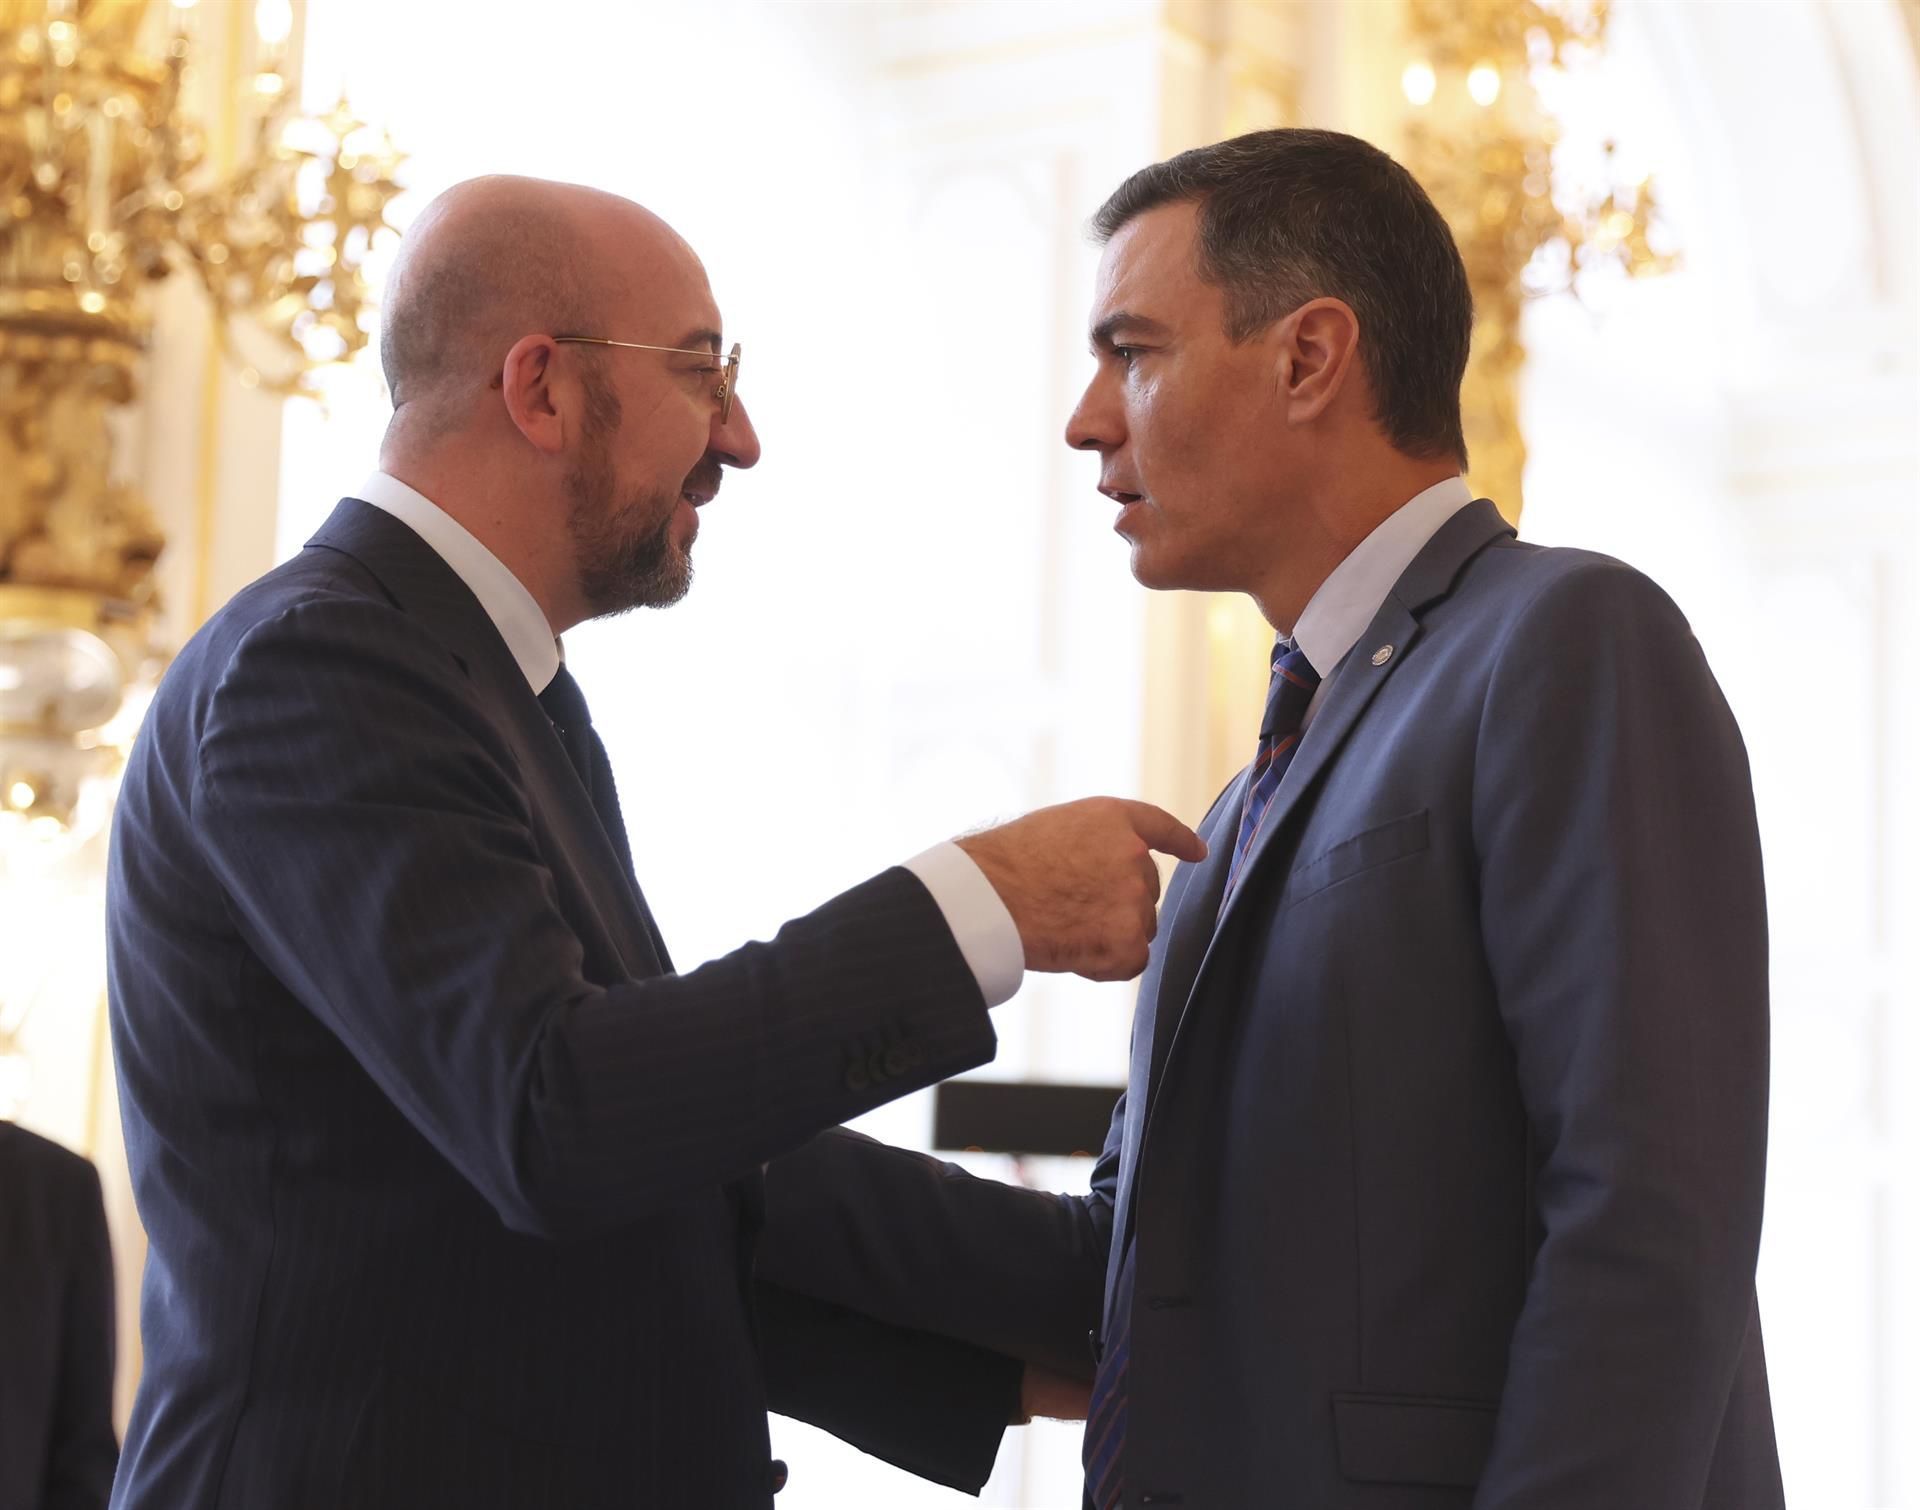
981, 924
1338, 614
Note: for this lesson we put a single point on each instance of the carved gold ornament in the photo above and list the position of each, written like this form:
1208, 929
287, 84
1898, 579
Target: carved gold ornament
1480, 142
103, 194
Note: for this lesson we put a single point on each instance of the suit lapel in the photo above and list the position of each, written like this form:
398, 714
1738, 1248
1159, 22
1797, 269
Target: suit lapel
1386, 645
1379, 652
1194, 932
1192, 899
1190, 915
418, 581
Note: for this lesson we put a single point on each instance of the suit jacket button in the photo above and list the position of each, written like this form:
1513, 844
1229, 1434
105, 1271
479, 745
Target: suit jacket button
776, 1475
897, 1060
1093, 1343
857, 1079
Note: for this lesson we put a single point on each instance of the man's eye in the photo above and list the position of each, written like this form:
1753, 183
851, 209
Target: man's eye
1126, 354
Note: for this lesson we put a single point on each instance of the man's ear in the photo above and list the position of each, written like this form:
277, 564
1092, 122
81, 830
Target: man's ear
1318, 357
528, 382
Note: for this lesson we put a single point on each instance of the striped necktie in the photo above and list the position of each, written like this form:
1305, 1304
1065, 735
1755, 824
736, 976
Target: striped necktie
1103, 1450
1288, 695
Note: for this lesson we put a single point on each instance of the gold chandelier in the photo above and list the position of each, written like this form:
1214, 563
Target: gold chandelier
103, 195
1480, 142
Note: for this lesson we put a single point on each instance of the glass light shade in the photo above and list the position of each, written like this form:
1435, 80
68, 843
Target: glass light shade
55, 792
56, 680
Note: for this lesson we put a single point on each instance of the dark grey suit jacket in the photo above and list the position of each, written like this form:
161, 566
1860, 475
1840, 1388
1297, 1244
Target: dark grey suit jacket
1443, 1150
451, 1184
57, 1447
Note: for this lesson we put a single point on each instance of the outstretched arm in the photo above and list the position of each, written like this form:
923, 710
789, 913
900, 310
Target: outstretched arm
920, 1243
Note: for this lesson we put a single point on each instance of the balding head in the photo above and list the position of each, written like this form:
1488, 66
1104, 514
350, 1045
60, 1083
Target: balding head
579, 466
489, 261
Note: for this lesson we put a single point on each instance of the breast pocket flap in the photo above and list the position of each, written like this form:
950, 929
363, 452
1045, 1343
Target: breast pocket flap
1397, 1439
1393, 840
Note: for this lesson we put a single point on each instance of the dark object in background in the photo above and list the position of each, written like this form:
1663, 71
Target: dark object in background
1022, 1117
57, 1447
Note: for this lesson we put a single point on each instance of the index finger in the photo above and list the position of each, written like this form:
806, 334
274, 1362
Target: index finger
1164, 832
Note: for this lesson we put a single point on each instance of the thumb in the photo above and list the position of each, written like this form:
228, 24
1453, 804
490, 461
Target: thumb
1164, 832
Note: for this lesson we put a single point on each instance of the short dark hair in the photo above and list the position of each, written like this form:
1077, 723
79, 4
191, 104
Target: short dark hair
1291, 215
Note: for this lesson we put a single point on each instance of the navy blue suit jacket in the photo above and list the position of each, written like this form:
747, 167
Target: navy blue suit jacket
1443, 1147
57, 1447
451, 1184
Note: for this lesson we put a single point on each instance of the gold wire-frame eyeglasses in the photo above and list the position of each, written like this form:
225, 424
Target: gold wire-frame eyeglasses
730, 364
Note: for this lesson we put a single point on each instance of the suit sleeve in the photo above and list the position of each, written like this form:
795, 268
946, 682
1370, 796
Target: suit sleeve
84, 1451
922, 1244
935, 1407
1624, 920
372, 834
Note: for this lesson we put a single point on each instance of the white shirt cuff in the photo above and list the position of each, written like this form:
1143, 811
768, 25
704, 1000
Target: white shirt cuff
981, 924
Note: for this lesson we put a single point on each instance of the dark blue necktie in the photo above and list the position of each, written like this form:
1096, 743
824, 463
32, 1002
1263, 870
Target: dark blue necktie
1288, 696
1101, 1449
566, 705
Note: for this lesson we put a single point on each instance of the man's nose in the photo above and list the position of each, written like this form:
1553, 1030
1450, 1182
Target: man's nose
1093, 426
735, 443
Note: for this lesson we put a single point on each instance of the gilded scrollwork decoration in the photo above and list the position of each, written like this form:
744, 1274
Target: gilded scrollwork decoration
1480, 140
105, 192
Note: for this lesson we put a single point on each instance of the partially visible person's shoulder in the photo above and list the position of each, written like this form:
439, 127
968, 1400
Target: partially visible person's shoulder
54, 1161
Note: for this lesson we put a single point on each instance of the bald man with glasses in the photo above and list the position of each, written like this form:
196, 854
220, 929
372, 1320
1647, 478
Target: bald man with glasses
451, 1180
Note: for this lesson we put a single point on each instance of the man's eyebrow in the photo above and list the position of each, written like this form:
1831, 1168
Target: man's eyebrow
694, 340
1122, 322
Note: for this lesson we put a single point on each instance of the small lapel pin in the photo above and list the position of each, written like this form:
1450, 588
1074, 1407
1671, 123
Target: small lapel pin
1383, 655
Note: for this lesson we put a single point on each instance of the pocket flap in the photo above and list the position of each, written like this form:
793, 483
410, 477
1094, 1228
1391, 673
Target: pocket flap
1392, 840
1404, 1439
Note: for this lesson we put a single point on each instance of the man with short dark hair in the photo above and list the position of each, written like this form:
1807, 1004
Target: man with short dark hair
1437, 1180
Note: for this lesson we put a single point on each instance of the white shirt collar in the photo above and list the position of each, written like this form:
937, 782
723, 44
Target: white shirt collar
504, 597
1340, 611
